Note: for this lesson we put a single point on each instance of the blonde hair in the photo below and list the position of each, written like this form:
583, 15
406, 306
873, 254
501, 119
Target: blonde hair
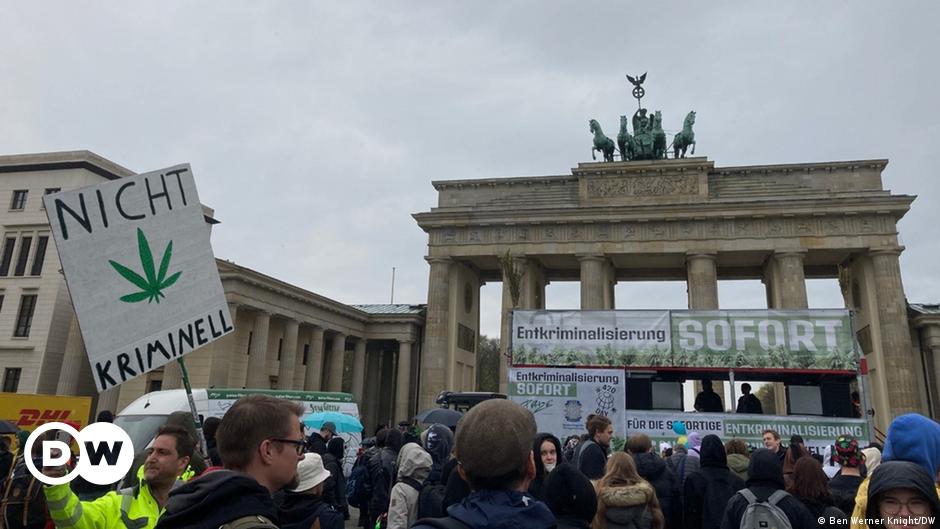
621, 472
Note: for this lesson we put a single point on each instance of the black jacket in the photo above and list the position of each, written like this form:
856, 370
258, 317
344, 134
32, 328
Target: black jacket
592, 459
382, 476
652, 468
708, 490
216, 498
749, 404
500, 509
765, 476
901, 475
535, 488
844, 489
299, 511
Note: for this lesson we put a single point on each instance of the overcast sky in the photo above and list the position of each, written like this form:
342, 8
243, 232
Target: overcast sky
314, 129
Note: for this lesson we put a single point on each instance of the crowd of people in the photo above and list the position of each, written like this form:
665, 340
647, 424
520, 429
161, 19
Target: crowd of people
496, 471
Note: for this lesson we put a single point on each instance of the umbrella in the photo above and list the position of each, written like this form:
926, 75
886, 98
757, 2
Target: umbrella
445, 416
343, 422
7, 427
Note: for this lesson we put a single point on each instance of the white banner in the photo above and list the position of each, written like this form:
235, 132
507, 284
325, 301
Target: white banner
817, 432
591, 338
561, 399
139, 267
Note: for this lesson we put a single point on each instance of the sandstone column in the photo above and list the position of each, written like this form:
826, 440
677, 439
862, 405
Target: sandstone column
359, 369
72, 360
108, 400
334, 381
931, 344
903, 380
403, 393
172, 375
314, 361
369, 406
285, 371
594, 284
222, 353
257, 377
436, 342
300, 369
792, 279
702, 269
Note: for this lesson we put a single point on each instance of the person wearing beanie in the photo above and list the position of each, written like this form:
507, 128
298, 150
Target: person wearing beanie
547, 450
766, 479
304, 504
653, 469
844, 486
494, 449
912, 438
571, 497
708, 490
901, 489
695, 444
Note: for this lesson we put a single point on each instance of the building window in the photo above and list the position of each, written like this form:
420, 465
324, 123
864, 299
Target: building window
24, 319
19, 199
250, 335
280, 347
306, 352
8, 246
154, 385
40, 256
48, 191
25, 244
11, 379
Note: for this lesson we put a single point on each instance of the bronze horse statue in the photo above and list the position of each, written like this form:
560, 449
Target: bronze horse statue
659, 136
685, 138
625, 141
601, 142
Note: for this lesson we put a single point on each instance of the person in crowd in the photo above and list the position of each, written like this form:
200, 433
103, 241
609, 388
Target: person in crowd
772, 442
707, 401
327, 431
590, 456
197, 465
844, 486
794, 452
166, 460
655, 471
414, 466
571, 497
382, 472
810, 487
209, 428
913, 438
105, 416
547, 450
694, 444
682, 464
261, 441
872, 458
316, 443
366, 452
708, 490
6, 459
304, 505
494, 447
765, 484
571, 443
748, 402
738, 457
439, 442
901, 490
624, 499
336, 453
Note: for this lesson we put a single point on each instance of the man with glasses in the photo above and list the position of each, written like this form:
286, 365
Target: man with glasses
261, 441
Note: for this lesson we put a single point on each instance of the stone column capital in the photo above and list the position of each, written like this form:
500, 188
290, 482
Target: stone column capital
408, 341
789, 253
438, 260
886, 250
262, 313
693, 256
582, 257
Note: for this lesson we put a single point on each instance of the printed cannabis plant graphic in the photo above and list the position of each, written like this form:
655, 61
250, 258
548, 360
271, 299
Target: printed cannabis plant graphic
153, 285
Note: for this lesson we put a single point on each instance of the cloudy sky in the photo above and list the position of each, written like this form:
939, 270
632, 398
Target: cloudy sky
314, 129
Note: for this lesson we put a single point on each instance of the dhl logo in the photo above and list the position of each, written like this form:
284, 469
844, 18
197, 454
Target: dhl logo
32, 417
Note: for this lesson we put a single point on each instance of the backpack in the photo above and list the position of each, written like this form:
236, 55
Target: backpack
576, 460
764, 514
358, 486
253, 521
441, 523
431, 501
23, 503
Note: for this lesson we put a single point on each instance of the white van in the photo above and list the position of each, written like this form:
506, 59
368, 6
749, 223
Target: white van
141, 418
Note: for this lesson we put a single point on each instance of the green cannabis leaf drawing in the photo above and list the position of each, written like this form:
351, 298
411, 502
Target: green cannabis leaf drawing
155, 283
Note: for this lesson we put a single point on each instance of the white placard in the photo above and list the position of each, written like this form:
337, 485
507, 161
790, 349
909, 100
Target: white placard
140, 270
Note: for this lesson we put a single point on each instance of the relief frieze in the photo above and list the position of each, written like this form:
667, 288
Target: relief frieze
643, 186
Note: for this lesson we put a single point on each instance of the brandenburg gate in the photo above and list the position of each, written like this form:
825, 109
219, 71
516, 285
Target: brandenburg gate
672, 219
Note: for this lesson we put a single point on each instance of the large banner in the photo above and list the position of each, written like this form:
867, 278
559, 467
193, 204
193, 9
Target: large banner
817, 432
808, 340
561, 399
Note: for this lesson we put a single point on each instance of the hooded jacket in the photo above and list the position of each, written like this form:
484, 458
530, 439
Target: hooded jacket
414, 466
902, 475
214, 499
300, 511
626, 507
683, 465
334, 491
766, 477
738, 463
913, 438
439, 442
571, 497
707, 491
500, 509
535, 488
653, 469
382, 473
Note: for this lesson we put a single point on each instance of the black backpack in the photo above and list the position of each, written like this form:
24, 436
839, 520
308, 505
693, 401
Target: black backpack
359, 486
430, 498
